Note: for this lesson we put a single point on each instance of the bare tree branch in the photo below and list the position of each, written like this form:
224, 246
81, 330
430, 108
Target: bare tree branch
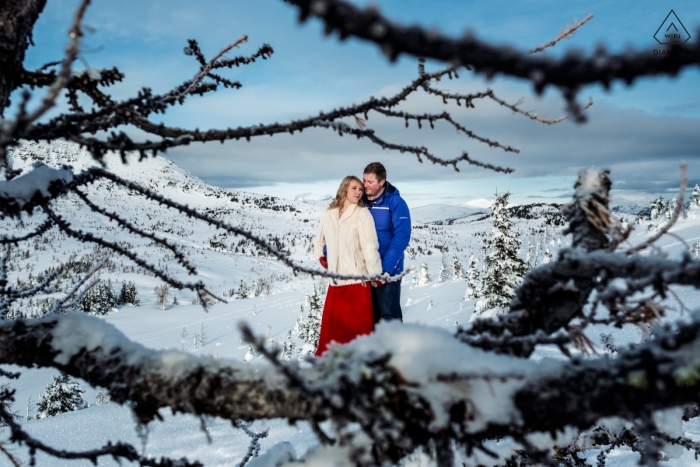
566, 33
571, 72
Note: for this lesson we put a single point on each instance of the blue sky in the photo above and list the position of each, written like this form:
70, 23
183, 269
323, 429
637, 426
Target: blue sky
641, 132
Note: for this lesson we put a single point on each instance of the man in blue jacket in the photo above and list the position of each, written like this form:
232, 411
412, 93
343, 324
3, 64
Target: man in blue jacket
393, 223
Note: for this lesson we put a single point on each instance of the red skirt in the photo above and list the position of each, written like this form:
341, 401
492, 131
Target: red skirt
347, 314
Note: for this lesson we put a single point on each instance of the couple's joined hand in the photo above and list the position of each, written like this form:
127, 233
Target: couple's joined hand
324, 263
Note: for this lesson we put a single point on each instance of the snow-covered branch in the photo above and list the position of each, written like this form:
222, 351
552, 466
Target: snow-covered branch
404, 385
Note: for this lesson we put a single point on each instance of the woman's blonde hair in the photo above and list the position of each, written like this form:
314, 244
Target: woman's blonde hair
343, 192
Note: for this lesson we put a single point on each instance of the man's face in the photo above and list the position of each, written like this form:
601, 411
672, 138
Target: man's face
372, 186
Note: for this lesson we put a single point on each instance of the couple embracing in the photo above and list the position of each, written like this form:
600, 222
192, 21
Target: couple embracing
364, 231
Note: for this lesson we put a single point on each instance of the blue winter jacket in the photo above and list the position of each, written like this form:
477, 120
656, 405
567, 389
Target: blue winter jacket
393, 223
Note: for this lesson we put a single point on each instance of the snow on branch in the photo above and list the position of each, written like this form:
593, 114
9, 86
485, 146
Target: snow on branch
405, 385
33, 188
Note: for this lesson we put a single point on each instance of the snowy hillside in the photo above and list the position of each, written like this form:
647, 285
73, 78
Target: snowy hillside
277, 302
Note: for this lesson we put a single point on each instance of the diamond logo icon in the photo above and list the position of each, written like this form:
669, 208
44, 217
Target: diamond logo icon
672, 31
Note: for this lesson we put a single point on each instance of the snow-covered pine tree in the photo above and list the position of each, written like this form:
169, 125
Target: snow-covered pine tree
670, 208
503, 269
457, 269
415, 278
658, 208
242, 291
310, 327
531, 258
128, 295
695, 196
424, 275
695, 250
99, 300
62, 395
288, 347
444, 274
473, 279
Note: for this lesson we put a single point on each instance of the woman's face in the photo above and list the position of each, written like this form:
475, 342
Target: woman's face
354, 192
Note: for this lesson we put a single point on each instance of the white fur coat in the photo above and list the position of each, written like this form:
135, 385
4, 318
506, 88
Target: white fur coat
351, 243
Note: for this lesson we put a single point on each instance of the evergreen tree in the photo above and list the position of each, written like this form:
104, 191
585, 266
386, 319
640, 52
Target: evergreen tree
6, 402
503, 269
424, 276
443, 275
62, 395
99, 300
310, 327
658, 209
457, 269
242, 291
128, 295
531, 258
670, 208
473, 279
695, 196
695, 250
288, 347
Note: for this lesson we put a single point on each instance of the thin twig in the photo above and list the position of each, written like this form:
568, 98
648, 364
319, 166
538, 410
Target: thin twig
565, 33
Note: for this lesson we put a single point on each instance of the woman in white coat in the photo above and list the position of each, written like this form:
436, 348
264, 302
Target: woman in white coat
348, 234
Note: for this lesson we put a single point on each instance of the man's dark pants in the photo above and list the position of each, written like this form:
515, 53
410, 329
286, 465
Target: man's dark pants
387, 302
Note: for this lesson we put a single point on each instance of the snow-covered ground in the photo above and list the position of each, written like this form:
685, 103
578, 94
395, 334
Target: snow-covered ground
223, 262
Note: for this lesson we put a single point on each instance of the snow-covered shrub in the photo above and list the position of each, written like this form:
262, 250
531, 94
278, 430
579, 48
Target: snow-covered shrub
250, 354
162, 294
62, 395
102, 397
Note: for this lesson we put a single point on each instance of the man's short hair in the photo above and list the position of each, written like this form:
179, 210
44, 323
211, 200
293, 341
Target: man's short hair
377, 169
